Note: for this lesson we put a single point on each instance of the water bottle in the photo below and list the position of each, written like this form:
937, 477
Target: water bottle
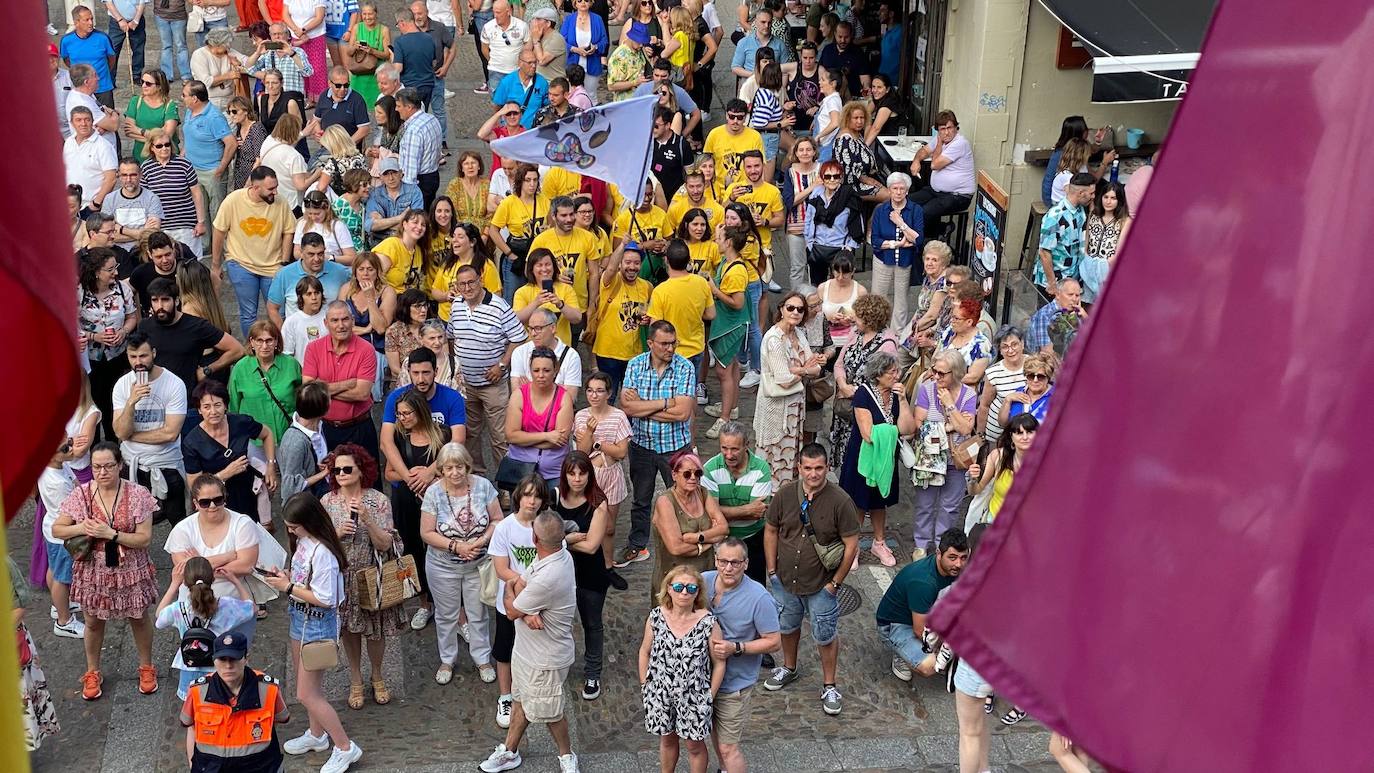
1116, 169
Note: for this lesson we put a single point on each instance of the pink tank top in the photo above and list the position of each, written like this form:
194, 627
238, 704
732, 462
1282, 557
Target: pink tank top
539, 422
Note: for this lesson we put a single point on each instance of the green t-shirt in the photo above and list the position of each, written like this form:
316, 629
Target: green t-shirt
152, 118
913, 590
755, 483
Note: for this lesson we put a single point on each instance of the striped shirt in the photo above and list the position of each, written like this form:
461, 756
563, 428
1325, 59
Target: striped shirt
765, 110
172, 182
678, 379
755, 483
420, 147
1005, 381
480, 335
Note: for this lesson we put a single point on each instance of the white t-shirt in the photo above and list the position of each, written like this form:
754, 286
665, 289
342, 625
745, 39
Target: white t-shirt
500, 183
54, 484
315, 567
73, 428
441, 11
242, 533
286, 161
505, 49
86, 164
712, 19
168, 398
298, 330
75, 98
832, 102
570, 375
958, 176
302, 11
334, 241
514, 540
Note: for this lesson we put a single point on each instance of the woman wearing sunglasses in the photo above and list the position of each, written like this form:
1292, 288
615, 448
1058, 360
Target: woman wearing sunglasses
151, 108
228, 539
687, 524
1034, 397
361, 516
678, 677
781, 407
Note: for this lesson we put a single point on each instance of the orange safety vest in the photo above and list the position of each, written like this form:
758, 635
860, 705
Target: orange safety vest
223, 731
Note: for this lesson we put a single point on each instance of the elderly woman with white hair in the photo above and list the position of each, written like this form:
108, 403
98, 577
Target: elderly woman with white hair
216, 65
895, 234
434, 336
946, 411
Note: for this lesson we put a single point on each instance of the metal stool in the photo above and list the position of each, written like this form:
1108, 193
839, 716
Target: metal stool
956, 235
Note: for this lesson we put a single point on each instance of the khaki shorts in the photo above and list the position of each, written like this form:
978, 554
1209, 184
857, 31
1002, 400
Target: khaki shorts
727, 715
539, 691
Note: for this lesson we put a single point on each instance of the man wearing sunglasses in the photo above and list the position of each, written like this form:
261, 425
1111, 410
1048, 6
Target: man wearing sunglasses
805, 516
340, 105
748, 621
525, 87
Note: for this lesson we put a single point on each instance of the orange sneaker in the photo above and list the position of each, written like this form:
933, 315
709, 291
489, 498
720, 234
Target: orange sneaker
147, 680
90, 685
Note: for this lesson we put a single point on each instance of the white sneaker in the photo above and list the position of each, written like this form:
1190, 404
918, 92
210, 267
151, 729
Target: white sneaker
51, 30
503, 709
72, 630
306, 743
339, 760
714, 431
503, 759
72, 607
750, 380
448, 93
715, 409
420, 619
701, 395
567, 763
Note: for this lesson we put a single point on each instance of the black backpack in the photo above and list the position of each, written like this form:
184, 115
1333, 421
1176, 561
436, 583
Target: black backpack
197, 644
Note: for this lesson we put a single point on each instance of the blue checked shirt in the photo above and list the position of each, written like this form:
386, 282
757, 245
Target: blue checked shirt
420, 143
679, 378
292, 75
1038, 332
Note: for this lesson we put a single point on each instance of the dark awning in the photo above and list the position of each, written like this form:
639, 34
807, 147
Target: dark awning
1141, 52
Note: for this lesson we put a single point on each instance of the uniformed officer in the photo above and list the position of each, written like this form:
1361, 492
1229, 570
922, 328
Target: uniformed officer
232, 714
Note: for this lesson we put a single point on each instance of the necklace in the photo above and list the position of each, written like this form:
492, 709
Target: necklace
110, 508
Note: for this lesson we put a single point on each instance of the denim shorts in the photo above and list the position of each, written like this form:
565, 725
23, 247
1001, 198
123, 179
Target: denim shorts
968, 682
310, 623
59, 562
770, 145
822, 607
902, 641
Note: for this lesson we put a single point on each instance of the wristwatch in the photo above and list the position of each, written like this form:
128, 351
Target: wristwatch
739, 649
701, 538
205, 370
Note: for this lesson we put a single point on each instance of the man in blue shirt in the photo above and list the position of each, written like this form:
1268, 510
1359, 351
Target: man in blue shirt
415, 54
87, 45
524, 87
126, 21
446, 407
210, 143
890, 61
340, 105
389, 201
663, 78
742, 63
748, 620
281, 294
1068, 299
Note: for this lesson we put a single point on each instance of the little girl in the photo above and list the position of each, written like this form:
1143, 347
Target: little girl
680, 47
219, 615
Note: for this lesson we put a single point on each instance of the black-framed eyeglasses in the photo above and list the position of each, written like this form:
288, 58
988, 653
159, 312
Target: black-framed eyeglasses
940, 372
345, 469
679, 587
209, 502
732, 562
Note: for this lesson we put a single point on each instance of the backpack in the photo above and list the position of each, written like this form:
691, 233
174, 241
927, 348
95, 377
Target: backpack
197, 643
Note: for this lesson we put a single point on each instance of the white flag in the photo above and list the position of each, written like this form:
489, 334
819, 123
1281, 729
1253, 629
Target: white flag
611, 142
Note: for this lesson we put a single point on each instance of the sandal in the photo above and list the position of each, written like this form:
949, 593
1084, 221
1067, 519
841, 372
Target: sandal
989, 703
1013, 716
355, 696
379, 692
261, 614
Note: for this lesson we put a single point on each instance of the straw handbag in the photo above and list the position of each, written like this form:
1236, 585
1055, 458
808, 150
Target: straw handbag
389, 583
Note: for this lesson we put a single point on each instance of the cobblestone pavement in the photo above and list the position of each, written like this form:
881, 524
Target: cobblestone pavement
886, 725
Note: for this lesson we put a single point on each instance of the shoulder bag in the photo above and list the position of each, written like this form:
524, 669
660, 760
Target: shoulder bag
268, 389
511, 472
965, 452
832, 554
520, 245
361, 60
321, 654
81, 546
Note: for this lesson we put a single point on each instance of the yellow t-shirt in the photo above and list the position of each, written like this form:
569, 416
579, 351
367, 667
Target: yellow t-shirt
254, 231
647, 225
680, 206
681, 300
728, 150
684, 49
407, 266
705, 257
514, 216
617, 333
526, 295
734, 280
571, 255
443, 279
766, 202
560, 182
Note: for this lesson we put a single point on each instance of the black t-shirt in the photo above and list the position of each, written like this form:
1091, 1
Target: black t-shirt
894, 121
671, 158
806, 92
588, 568
852, 60
180, 344
203, 453
144, 274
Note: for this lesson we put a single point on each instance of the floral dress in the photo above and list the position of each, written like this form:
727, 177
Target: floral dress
677, 694
110, 592
38, 715
470, 209
376, 508
977, 348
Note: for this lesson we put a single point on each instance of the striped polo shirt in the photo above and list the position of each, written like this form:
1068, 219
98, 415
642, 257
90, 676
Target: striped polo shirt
755, 483
480, 335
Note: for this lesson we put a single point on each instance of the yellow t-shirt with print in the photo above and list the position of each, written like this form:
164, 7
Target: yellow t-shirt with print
705, 257
647, 226
407, 266
571, 256
680, 206
728, 151
617, 332
765, 201
682, 300
526, 295
560, 182
513, 215
254, 231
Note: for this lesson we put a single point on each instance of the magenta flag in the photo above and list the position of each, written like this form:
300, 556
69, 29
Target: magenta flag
1180, 578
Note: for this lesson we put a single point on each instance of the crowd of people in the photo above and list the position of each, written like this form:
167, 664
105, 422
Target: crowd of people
473, 379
